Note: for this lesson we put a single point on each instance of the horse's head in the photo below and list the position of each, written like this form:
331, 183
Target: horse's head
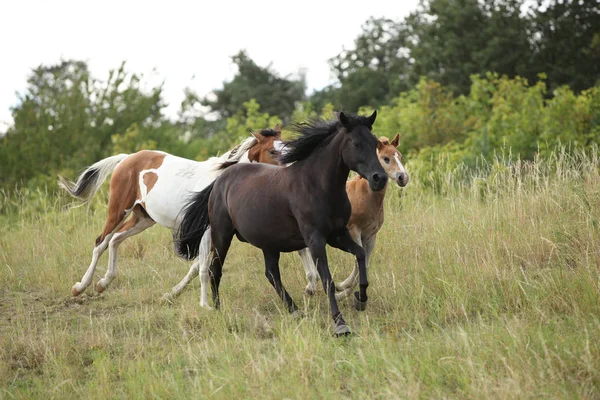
265, 150
391, 160
359, 150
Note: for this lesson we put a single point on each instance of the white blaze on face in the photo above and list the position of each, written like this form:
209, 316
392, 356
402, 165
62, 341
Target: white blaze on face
401, 169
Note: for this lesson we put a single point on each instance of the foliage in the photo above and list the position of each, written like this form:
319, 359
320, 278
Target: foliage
373, 72
66, 119
277, 95
566, 44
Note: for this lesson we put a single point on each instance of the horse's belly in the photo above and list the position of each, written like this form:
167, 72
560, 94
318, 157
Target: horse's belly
275, 234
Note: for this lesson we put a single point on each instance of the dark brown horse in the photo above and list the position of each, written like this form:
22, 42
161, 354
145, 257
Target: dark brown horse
287, 209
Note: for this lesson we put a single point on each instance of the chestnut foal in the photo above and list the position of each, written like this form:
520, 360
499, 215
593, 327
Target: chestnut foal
153, 187
367, 214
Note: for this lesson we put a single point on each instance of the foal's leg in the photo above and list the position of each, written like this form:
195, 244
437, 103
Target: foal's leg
368, 245
317, 250
344, 241
138, 222
349, 282
274, 277
311, 271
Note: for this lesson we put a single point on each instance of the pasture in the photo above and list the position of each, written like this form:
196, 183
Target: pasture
487, 286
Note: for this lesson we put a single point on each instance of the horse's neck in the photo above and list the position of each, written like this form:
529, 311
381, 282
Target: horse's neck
325, 167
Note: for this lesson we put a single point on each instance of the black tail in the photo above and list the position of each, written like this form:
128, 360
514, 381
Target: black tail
194, 223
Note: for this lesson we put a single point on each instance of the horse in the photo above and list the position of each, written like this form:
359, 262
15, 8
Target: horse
367, 214
281, 209
152, 186
366, 219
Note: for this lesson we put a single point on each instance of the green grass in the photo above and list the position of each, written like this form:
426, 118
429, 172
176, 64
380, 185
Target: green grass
488, 289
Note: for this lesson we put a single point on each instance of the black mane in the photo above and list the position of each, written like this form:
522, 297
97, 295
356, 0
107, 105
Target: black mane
269, 132
313, 133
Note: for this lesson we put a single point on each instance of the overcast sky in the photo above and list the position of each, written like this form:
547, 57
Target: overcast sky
184, 43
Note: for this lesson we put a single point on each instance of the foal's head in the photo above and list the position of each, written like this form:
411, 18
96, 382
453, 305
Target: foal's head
264, 151
359, 149
391, 159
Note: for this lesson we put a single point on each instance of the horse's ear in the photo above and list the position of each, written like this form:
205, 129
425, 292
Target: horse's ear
395, 140
258, 136
372, 118
382, 142
343, 119
278, 131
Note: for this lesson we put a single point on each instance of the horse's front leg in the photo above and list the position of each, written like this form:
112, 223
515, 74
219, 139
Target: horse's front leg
344, 241
316, 246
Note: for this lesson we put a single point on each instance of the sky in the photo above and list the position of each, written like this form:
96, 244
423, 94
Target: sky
183, 43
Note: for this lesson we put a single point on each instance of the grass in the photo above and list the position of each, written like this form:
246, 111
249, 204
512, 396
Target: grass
487, 288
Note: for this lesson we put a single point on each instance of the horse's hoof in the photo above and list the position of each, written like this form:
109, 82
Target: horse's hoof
309, 291
74, 291
341, 330
100, 288
297, 314
359, 305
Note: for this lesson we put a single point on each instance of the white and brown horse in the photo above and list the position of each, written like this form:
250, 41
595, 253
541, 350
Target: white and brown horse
153, 187
367, 214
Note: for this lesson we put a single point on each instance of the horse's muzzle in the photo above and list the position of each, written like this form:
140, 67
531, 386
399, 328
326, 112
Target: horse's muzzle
377, 181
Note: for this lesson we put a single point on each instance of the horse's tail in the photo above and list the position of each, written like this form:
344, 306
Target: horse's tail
194, 224
91, 179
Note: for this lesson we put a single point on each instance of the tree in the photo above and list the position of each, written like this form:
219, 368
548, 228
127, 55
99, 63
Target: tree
371, 73
567, 42
453, 39
66, 119
276, 95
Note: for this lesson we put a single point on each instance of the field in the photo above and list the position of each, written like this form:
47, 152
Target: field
486, 287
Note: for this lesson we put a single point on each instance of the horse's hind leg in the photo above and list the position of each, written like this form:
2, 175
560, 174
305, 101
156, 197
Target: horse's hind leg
274, 277
222, 233
139, 222
116, 216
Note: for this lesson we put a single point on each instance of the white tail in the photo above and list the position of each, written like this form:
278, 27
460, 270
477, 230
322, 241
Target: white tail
91, 179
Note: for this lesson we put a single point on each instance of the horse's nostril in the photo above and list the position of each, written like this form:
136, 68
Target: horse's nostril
376, 177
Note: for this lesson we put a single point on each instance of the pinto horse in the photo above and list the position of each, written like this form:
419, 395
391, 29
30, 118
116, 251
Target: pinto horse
305, 204
153, 186
367, 214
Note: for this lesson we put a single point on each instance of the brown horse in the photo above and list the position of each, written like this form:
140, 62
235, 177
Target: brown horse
367, 214
287, 209
153, 186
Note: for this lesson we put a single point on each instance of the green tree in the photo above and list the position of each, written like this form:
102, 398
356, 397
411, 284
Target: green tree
453, 39
276, 95
65, 120
567, 42
373, 72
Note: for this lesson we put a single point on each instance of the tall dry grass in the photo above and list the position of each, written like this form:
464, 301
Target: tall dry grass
484, 284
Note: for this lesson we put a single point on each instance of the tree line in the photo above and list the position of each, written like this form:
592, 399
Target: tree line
463, 77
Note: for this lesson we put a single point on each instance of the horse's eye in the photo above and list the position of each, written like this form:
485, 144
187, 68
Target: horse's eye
272, 151
386, 159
